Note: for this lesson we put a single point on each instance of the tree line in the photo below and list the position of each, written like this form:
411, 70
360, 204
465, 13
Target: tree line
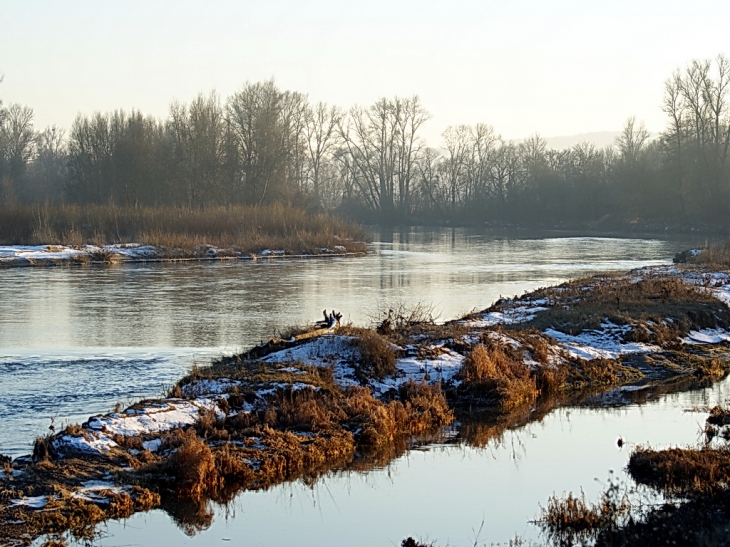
264, 145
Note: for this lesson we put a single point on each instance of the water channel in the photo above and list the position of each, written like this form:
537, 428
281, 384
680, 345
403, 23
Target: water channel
75, 341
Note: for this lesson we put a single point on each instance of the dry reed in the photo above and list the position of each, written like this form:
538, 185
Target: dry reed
242, 228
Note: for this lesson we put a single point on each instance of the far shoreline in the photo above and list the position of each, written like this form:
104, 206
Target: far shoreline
100, 256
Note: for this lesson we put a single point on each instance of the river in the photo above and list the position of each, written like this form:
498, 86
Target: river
76, 341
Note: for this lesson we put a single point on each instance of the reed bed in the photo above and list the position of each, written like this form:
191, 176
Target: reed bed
248, 228
713, 254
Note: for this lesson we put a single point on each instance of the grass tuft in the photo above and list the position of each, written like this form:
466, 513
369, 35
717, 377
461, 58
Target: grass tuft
495, 373
377, 359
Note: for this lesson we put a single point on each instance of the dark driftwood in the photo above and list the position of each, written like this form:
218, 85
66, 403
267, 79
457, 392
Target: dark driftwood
330, 323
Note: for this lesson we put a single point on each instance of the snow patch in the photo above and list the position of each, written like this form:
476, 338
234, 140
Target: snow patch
513, 312
600, 344
707, 336
90, 443
98, 492
153, 445
34, 502
158, 417
209, 387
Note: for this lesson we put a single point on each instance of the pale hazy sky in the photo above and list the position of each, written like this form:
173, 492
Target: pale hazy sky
552, 67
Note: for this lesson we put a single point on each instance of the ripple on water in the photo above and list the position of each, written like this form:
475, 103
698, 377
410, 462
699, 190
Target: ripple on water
69, 387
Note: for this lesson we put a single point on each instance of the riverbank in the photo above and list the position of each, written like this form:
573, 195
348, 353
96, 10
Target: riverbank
350, 395
18, 256
70, 234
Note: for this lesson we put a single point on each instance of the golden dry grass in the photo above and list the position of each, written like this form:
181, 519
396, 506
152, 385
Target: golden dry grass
493, 373
246, 229
712, 254
64, 512
572, 520
677, 470
377, 359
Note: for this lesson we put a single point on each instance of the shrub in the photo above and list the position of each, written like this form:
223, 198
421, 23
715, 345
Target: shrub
491, 374
377, 359
193, 467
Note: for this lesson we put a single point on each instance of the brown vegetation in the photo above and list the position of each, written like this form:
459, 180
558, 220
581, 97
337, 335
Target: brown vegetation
288, 420
297, 431
571, 519
242, 229
58, 481
716, 254
492, 374
377, 359
684, 471
658, 309
694, 482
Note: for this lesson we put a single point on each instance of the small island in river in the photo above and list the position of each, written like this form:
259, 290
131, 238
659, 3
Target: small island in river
69, 235
339, 396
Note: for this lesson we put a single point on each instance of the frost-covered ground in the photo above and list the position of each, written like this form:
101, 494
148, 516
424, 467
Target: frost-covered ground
608, 341
31, 255
340, 353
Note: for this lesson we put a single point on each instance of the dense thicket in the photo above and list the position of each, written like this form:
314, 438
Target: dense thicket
263, 145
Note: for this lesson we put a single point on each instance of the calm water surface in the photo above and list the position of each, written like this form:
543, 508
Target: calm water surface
444, 493
75, 341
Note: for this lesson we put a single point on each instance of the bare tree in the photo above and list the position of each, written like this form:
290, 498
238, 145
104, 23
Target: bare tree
48, 173
267, 127
321, 135
383, 146
459, 145
632, 140
17, 146
198, 131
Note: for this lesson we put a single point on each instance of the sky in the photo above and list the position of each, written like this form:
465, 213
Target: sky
557, 67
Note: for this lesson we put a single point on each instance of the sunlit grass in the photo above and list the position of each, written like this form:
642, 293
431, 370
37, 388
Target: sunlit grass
247, 228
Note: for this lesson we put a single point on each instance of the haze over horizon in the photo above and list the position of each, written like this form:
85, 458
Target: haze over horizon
559, 70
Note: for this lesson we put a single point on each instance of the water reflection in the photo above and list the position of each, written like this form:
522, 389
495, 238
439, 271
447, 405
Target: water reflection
235, 304
81, 339
495, 472
58, 314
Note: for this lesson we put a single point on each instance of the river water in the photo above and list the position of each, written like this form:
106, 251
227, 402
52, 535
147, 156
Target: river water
76, 341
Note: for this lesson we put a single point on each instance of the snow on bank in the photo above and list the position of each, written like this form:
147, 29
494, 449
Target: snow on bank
513, 312
32, 502
341, 354
60, 253
707, 336
441, 368
156, 417
208, 386
29, 255
98, 492
88, 443
335, 351
606, 343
